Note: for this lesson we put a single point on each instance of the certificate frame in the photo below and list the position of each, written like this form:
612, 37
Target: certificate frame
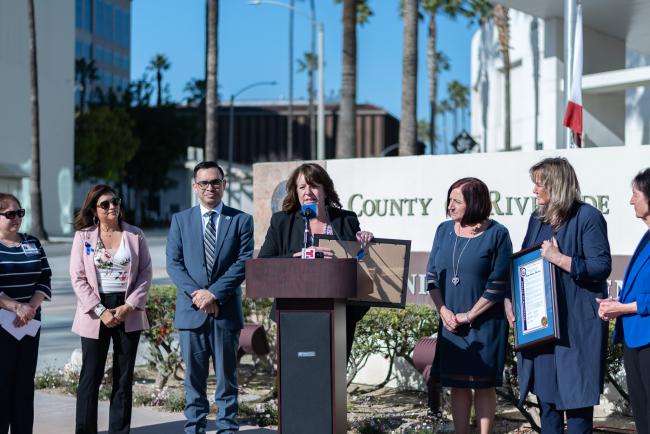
382, 273
536, 320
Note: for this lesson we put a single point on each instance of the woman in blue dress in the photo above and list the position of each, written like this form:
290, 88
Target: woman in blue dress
567, 375
467, 278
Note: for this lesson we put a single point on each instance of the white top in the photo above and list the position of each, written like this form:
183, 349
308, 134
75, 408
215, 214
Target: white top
215, 216
112, 269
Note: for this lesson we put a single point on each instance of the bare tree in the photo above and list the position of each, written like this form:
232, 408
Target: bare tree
408, 123
211, 98
38, 227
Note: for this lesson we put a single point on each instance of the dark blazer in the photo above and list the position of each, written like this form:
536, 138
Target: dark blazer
285, 237
580, 352
187, 269
635, 329
285, 234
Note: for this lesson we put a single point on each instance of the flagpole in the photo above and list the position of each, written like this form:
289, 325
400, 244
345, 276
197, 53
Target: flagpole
569, 29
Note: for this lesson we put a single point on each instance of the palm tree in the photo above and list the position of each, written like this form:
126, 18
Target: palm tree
458, 98
38, 227
211, 98
501, 21
354, 11
158, 64
436, 60
307, 63
86, 73
408, 122
443, 108
346, 133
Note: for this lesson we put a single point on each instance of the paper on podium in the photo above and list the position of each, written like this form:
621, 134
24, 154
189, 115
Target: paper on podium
7, 321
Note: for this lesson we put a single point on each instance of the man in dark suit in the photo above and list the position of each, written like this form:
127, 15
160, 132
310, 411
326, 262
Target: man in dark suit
206, 250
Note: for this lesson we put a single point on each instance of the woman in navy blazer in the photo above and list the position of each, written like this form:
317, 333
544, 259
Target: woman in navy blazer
567, 375
632, 311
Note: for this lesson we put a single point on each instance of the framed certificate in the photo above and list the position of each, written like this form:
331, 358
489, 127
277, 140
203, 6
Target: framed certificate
382, 269
534, 298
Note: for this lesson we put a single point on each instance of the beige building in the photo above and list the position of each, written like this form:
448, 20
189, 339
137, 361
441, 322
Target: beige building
55, 48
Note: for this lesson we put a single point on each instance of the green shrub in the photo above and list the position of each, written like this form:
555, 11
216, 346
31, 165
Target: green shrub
392, 333
165, 356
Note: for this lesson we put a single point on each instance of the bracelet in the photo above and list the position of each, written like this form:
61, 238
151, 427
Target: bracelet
99, 309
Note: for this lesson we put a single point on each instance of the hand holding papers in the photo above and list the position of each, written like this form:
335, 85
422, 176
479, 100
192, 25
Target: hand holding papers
7, 321
534, 298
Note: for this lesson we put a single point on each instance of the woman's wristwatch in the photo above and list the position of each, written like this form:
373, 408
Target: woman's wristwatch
100, 309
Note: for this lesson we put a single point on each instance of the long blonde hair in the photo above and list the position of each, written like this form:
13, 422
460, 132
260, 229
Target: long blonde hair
561, 183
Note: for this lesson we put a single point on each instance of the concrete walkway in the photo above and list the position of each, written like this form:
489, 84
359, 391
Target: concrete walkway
55, 414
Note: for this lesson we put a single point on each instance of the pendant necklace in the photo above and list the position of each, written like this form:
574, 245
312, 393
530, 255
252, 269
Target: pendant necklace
456, 280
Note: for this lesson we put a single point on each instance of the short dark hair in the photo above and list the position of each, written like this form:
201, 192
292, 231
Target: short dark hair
477, 200
207, 165
5, 198
642, 182
87, 215
314, 174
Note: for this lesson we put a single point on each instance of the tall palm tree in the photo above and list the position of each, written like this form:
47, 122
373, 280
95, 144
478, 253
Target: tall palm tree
36, 198
307, 63
501, 21
408, 122
443, 108
458, 98
86, 73
158, 64
436, 60
211, 97
346, 130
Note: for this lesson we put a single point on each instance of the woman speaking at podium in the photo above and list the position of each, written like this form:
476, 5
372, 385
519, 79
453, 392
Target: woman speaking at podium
310, 184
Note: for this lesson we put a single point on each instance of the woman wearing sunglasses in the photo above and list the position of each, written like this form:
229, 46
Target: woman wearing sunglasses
24, 283
110, 268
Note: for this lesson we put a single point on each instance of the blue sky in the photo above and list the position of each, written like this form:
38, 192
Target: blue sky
253, 47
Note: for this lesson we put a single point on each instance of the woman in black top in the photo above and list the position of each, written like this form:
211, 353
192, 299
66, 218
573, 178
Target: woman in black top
310, 184
24, 284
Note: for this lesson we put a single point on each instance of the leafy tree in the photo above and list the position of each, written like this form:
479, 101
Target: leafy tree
164, 135
195, 91
36, 199
139, 92
104, 144
86, 73
158, 64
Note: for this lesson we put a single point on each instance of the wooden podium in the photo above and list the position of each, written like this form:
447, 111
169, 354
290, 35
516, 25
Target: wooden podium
310, 313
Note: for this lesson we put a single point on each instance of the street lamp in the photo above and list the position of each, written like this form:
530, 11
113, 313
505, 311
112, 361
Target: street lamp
231, 121
320, 143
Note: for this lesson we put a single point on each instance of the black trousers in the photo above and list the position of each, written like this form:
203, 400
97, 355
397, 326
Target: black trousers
637, 373
94, 352
17, 370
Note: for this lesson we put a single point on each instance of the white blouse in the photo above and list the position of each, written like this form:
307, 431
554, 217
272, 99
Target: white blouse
112, 269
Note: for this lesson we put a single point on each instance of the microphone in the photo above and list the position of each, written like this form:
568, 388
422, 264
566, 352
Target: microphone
309, 211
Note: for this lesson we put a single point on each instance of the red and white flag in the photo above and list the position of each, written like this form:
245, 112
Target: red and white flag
573, 114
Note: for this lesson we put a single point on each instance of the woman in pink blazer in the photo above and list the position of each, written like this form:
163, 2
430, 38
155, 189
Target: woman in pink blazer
110, 269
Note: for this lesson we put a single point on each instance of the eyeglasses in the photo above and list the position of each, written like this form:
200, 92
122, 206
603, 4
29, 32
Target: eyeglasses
106, 204
10, 215
213, 182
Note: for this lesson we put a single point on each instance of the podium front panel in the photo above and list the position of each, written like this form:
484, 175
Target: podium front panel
305, 352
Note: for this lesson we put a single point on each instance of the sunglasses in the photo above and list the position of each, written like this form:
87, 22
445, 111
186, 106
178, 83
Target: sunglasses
20, 213
106, 204
214, 183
